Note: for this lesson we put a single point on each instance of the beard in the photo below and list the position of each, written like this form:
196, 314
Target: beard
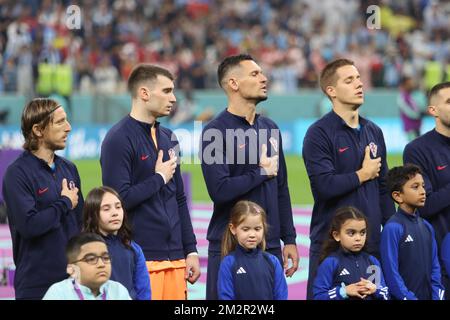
55, 147
256, 99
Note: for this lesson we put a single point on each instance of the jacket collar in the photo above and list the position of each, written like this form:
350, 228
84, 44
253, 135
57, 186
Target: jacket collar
144, 125
40, 162
335, 118
248, 252
239, 119
411, 217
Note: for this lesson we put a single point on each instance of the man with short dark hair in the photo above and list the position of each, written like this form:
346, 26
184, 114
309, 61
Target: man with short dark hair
345, 157
139, 160
242, 159
431, 152
43, 199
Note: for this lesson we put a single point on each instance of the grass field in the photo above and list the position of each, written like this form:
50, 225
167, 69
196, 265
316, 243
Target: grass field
298, 180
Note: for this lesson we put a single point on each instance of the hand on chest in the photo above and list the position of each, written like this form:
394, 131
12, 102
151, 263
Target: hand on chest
245, 147
349, 151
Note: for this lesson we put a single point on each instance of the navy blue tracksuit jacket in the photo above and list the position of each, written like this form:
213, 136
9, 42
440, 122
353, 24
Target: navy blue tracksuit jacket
344, 267
158, 212
41, 221
445, 253
230, 165
234, 174
251, 275
431, 152
409, 258
128, 267
333, 152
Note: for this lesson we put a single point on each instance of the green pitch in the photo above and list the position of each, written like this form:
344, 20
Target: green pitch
298, 179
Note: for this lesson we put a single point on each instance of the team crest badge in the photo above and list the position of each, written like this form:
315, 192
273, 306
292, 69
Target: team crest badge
373, 149
172, 153
274, 143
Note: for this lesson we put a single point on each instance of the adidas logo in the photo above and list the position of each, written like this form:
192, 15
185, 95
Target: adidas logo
409, 238
241, 270
344, 272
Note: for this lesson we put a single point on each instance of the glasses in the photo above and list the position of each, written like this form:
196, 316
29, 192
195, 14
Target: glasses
92, 259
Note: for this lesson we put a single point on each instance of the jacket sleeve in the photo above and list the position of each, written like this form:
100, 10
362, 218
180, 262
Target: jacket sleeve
116, 162
445, 252
80, 205
390, 238
187, 232
287, 232
225, 284
21, 205
317, 155
382, 292
437, 200
386, 204
323, 283
222, 187
141, 279
280, 288
437, 289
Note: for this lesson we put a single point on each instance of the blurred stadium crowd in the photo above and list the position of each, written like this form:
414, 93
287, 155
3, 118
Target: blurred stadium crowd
291, 39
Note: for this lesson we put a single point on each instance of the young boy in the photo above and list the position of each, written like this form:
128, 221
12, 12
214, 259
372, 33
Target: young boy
89, 269
408, 247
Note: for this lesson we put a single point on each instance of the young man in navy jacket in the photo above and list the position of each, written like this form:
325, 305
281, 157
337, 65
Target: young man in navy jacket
138, 160
345, 157
43, 200
431, 152
242, 159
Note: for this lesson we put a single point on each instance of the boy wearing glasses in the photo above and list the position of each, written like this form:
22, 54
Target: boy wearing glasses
89, 269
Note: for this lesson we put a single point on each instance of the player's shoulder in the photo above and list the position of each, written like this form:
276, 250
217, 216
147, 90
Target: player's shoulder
20, 165
267, 122
120, 128
328, 122
419, 142
217, 122
322, 129
120, 133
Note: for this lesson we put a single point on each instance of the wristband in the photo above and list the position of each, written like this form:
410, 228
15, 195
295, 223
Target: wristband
342, 291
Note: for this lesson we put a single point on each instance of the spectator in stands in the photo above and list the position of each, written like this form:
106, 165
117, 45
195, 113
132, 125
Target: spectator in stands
410, 111
106, 77
181, 29
10, 76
